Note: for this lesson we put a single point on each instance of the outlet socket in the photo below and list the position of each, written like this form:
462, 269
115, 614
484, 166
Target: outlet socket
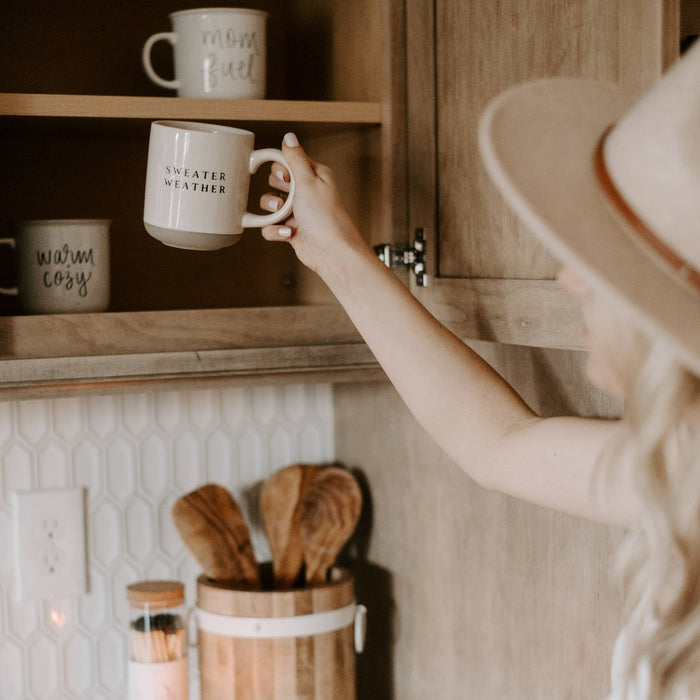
49, 538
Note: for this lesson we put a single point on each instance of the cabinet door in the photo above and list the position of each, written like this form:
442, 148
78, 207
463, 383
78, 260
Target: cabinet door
489, 278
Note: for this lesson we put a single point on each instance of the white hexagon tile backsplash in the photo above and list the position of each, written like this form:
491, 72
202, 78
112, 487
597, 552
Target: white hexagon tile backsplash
135, 454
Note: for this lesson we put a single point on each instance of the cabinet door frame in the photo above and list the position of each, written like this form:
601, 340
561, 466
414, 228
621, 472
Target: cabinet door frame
518, 311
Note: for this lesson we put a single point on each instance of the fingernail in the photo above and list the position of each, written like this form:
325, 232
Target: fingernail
284, 232
291, 140
274, 204
280, 175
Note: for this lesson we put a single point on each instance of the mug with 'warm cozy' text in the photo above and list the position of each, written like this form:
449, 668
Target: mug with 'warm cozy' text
62, 265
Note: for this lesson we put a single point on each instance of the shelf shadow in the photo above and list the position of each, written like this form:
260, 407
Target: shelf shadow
375, 590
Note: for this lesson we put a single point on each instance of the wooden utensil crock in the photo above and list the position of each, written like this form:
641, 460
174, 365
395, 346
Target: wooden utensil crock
318, 667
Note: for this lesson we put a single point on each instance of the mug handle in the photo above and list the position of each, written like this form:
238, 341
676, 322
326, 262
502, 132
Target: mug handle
257, 158
146, 59
11, 291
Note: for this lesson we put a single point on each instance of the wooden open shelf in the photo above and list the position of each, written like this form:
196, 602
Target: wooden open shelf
53, 353
137, 332
50, 354
123, 107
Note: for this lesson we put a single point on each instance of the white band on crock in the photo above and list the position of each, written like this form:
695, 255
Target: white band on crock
277, 627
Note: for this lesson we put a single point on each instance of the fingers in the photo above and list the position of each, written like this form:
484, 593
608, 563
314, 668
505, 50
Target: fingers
280, 232
300, 164
271, 202
279, 178
304, 169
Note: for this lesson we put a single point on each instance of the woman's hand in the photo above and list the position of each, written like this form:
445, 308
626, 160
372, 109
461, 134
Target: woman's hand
320, 227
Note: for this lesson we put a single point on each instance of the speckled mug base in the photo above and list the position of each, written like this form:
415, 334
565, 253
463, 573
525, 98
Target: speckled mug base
191, 240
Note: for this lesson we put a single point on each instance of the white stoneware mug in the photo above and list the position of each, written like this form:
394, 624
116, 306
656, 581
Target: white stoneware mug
197, 183
218, 53
62, 265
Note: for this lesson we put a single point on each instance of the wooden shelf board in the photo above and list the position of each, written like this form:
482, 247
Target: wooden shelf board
124, 107
127, 351
298, 343
244, 361
120, 374
186, 331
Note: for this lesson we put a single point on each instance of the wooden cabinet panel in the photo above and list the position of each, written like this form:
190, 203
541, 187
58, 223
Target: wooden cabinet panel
476, 50
485, 596
337, 49
508, 43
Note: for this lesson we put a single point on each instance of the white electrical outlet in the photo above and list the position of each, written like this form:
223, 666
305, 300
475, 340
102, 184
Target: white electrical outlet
50, 543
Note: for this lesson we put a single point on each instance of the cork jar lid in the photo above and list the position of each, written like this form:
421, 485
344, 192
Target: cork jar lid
156, 594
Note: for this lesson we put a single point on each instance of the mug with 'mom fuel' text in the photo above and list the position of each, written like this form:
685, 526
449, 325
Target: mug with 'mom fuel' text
197, 182
62, 265
218, 53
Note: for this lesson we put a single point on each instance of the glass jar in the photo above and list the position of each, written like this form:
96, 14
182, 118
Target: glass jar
158, 664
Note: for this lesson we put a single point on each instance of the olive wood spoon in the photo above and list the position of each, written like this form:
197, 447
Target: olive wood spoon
330, 511
280, 509
213, 528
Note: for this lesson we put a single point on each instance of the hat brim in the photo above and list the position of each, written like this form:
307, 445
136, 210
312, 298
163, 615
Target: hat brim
538, 142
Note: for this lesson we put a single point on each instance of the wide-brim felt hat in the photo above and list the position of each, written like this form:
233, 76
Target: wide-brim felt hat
611, 185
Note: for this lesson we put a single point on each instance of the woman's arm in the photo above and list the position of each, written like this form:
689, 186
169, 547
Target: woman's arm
466, 407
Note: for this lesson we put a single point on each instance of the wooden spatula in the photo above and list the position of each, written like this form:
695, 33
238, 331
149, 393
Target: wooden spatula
212, 526
330, 511
280, 509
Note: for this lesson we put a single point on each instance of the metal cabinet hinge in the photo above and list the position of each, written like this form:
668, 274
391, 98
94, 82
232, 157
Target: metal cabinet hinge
406, 255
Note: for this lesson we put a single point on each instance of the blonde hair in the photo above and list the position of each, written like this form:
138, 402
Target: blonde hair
661, 560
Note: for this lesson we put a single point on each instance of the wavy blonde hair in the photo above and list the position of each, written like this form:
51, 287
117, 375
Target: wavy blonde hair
661, 559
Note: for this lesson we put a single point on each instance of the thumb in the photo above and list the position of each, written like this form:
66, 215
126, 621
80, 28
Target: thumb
299, 163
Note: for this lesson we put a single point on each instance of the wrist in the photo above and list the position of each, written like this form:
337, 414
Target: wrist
347, 263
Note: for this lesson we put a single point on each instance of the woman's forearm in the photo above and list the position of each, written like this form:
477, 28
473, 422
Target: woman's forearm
457, 397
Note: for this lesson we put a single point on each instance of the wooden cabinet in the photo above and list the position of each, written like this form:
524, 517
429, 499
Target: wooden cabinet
490, 278
387, 92
75, 111
489, 597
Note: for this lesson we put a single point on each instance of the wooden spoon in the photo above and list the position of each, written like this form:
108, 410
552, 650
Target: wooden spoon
212, 526
280, 509
330, 511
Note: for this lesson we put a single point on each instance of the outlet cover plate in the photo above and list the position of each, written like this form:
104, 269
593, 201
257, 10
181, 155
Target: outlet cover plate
49, 537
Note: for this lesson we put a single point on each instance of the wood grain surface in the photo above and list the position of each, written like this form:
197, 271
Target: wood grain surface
475, 594
281, 497
320, 667
130, 107
212, 526
330, 510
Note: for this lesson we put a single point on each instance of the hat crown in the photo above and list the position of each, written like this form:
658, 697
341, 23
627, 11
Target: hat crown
652, 155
